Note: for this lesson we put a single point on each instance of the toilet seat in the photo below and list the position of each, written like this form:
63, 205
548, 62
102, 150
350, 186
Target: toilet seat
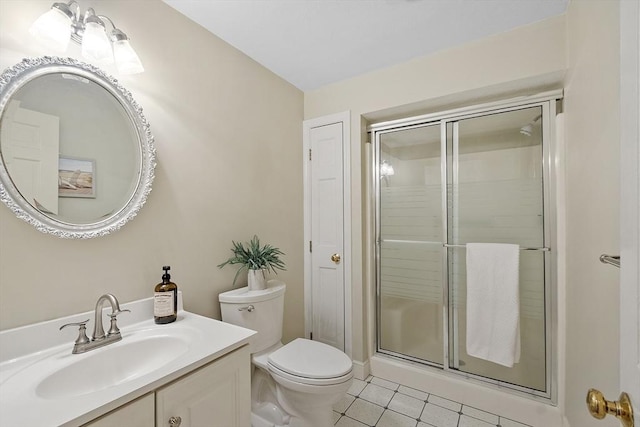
310, 362
284, 378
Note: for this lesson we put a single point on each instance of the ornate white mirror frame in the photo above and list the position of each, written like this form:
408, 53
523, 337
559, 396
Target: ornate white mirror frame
143, 160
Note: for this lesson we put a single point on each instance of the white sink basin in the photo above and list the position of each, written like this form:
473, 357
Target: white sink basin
112, 365
43, 384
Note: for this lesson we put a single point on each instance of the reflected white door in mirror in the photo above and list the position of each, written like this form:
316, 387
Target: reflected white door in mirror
77, 152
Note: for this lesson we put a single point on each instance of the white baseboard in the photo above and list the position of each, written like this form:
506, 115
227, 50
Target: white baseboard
361, 370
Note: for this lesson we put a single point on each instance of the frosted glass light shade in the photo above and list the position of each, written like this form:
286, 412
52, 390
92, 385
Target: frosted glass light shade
52, 29
96, 44
127, 60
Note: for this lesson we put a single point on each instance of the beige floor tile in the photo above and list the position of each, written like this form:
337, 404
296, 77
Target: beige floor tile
407, 405
393, 419
377, 394
438, 416
365, 412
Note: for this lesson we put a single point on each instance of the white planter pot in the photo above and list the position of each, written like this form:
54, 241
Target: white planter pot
257, 280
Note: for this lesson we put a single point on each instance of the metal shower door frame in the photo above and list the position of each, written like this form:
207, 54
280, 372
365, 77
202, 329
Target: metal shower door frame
547, 102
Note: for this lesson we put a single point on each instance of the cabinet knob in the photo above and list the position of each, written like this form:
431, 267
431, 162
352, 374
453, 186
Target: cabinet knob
175, 421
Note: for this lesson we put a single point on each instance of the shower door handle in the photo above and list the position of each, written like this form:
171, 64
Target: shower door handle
599, 407
335, 258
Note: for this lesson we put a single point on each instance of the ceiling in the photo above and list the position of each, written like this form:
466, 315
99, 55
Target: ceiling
312, 43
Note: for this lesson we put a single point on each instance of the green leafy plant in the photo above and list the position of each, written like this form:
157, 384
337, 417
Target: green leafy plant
252, 256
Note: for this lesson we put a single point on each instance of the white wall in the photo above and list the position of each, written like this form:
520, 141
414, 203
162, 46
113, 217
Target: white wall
227, 132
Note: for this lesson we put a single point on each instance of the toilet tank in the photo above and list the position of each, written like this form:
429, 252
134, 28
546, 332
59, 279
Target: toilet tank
260, 310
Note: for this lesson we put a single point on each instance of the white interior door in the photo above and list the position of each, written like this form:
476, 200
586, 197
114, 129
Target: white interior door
327, 296
30, 142
630, 202
327, 253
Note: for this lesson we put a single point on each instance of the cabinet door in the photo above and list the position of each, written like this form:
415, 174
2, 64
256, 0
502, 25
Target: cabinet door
139, 413
217, 395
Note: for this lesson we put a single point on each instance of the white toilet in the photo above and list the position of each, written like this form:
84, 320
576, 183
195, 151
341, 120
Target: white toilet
292, 385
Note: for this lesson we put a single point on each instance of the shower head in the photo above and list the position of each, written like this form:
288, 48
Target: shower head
527, 130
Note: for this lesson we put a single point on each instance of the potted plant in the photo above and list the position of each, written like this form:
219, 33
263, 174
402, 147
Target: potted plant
257, 260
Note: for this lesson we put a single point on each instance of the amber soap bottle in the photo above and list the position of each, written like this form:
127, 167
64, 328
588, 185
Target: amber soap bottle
165, 299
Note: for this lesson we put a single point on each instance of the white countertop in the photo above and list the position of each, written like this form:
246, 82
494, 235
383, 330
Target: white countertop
28, 354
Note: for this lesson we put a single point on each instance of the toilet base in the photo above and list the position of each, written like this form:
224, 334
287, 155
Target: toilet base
265, 411
268, 415
273, 406
305, 411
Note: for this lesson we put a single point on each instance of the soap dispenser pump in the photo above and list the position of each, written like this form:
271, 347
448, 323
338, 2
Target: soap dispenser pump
165, 299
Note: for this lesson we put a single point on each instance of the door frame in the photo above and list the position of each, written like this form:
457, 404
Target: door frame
630, 200
307, 125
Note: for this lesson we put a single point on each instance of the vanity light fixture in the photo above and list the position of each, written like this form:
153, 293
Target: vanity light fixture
64, 22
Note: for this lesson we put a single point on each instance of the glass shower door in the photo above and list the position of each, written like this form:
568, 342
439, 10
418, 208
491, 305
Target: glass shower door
410, 266
496, 196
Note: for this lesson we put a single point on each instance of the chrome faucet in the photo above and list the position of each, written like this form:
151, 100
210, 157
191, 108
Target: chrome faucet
99, 339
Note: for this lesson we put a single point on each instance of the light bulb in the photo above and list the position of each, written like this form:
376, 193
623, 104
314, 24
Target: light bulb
95, 43
53, 29
127, 60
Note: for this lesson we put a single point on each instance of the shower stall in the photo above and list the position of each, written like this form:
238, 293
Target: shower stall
473, 175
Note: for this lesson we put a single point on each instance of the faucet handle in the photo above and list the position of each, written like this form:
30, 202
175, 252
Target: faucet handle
82, 332
113, 328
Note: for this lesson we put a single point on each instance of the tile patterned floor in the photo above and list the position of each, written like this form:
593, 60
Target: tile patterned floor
381, 403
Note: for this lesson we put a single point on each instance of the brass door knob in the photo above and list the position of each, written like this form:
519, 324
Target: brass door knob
335, 258
599, 407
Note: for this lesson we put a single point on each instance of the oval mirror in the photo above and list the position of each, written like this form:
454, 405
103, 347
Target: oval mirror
77, 153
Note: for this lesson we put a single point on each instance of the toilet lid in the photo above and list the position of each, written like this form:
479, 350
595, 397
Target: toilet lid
311, 359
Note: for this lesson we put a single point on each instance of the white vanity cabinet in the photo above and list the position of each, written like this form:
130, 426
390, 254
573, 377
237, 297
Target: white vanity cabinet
217, 395
139, 413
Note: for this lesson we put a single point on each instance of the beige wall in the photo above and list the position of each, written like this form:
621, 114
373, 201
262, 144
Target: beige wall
228, 167
578, 51
531, 57
592, 177
227, 132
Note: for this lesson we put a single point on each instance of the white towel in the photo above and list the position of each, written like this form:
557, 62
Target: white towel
493, 302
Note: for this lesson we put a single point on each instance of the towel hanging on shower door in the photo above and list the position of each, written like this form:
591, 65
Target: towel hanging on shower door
493, 302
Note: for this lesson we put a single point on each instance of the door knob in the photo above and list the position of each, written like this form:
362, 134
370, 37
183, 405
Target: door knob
599, 407
335, 258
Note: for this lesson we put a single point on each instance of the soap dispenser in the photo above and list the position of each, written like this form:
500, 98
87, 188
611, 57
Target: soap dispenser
165, 299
